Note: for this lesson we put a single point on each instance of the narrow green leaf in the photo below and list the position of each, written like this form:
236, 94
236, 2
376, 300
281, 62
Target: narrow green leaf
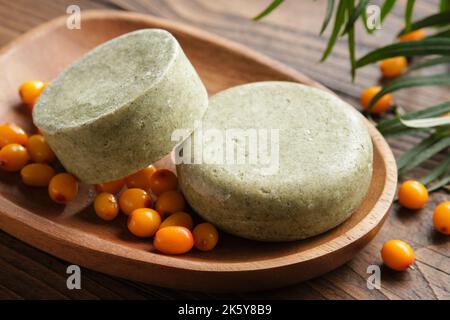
409, 155
441, 183
275, 4
328, 15
427, 153
423, 47
442, 34
434, 111
338, 23
410, 82
351, 38
408, 14
444, 5
429, 63
437, 171
427, 122
386, 8
433, 20
404, 131
355, 13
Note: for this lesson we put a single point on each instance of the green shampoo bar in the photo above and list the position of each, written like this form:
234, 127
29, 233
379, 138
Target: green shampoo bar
320, 168
113, 112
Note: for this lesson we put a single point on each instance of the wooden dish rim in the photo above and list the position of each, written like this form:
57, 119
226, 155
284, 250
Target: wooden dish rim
368, 224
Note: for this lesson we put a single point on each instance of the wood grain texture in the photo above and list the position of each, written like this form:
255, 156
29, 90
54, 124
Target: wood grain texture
289, 35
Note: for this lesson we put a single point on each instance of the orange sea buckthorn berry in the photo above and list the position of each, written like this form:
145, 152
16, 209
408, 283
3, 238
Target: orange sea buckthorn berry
37, 174
63, 188
30, 90
134, 198
163, 180
144, 222
180, 219
205, 236
441, 218
381, 105
397, 255
110, 187
39, 149
105, 206
11, 133
13, 157
412, 194
393, 67
170, 202
415, 35
173, 240
141, 179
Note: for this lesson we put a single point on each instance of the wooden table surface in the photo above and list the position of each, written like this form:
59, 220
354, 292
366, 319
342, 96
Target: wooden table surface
289, 35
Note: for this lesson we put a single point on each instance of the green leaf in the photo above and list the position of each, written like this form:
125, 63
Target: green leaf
425, 154
351, 38
427, 122
386, 8
433, 20
410, 82
444, 5
408, 14
423, 47
338, 23
434, 111
355, 13
441, 183
437, 171
328, 14
412, 153
442, 34
429, 63
366, 26
275, 4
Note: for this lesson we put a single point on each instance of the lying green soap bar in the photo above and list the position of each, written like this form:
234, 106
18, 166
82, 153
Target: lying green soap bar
319, 168
113, 112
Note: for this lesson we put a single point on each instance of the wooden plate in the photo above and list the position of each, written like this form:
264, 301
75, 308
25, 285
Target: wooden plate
75, 234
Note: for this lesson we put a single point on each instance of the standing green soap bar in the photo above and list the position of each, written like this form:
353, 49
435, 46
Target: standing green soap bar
113, 112
317, 172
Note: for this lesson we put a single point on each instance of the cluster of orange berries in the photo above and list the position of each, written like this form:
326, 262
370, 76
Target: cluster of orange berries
390, 68
172, 228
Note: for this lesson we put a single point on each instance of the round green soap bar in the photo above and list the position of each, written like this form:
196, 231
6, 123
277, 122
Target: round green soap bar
113, 111
276, 161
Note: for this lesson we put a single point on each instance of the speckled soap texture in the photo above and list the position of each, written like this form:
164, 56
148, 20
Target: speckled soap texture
324, 172
113, 112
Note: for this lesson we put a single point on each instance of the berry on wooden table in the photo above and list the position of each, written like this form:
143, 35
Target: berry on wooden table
30, 90
412, 195
441, 218
397, 255
180, 219
381, 105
